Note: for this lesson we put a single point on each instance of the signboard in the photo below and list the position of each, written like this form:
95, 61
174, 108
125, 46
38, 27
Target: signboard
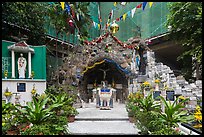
21, 87
156, 94
170, 95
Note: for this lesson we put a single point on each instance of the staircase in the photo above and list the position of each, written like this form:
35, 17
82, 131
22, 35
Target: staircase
93, 121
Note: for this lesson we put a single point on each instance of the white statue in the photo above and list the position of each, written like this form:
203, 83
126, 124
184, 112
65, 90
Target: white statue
22, 66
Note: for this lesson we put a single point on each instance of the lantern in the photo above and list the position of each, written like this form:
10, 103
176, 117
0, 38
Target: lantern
114, 28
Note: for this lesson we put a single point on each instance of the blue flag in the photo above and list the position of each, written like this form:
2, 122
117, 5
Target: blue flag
67, 7
143, 5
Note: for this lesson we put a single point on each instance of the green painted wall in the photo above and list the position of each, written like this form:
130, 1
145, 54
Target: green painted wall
38, 60
150, 20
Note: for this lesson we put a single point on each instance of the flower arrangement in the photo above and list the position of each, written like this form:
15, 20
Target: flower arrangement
32, 74
5, 73
157, 81
7, 93
33, 91
198, 117
146, 84
181, 97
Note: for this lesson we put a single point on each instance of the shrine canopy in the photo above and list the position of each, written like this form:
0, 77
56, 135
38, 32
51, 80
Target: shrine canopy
22, 47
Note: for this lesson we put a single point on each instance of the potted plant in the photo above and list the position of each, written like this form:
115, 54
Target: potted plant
70, 112
8, 94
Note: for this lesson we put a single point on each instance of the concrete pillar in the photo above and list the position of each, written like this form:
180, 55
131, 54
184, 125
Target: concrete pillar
29, 64
13, 63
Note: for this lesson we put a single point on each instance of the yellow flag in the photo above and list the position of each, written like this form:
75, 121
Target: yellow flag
62, 4
124, 16
98, 26
115, 3
150, 4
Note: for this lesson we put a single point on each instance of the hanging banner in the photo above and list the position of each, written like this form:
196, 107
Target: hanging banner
94, 24
124, 16
143, 5
139, 6
67, 7
62, 5
150, 4
133, 11
128, 13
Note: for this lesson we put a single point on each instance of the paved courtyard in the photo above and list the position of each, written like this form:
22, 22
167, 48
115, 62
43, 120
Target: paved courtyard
93, 121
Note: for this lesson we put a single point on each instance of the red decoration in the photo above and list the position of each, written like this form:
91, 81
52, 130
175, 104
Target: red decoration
71, 23
139, 6
118, 19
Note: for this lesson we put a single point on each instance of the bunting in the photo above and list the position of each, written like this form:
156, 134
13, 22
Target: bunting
139, 6
62, 5
150, 4
115, 3
143, 5
124, 16
133, 11
67, 7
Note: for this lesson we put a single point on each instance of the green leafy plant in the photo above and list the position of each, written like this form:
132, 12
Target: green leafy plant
148, 104
70, 111
173, 113
35, 112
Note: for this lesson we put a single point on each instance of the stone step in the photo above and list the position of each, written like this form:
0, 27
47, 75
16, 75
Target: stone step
101, 119
102, 128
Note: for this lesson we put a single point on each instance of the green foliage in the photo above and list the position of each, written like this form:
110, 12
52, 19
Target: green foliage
186, 21
70, 111
35, 111
165, 130
173, 113
55, 126
8, 119
148, 104
28, 15
58, 18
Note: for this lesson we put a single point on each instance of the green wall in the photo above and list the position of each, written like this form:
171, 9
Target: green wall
38, 60
150, 20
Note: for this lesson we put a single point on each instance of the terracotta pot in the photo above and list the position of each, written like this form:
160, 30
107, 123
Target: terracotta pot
12, 132
71, 118
131, 119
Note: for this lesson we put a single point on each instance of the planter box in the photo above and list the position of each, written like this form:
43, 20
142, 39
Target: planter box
191, 128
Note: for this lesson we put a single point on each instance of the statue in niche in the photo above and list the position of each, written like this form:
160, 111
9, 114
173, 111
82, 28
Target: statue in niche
21, 66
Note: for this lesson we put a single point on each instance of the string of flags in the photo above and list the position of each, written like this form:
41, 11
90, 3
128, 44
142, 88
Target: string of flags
65, 6
124, 16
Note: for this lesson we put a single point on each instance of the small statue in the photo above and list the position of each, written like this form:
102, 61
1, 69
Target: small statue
21, 66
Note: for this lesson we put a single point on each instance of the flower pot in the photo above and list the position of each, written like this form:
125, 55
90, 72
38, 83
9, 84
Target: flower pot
12, 132
71, 118
131, 119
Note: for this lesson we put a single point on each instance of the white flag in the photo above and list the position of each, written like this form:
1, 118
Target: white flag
94, 24
133, 12
111, 14
77, 17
